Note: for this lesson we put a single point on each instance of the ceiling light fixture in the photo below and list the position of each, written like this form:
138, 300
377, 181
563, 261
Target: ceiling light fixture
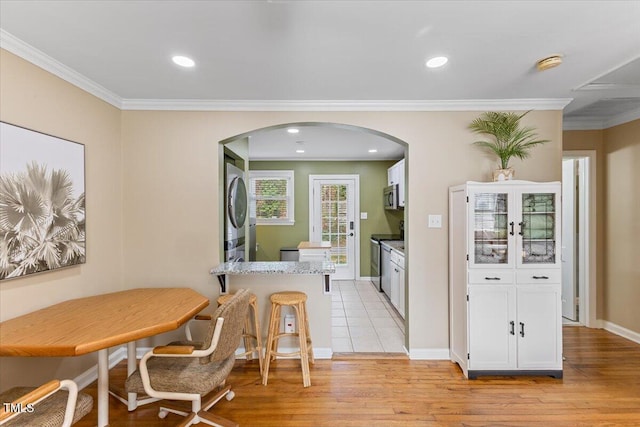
373, 150
293, 130
183, 61
300, 151
437, 61
549, 62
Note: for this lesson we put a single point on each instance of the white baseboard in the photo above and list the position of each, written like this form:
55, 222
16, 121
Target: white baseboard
429, 354
623, 332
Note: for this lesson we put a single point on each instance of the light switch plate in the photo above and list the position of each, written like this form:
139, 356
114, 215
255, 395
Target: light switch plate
435, 221
363, 215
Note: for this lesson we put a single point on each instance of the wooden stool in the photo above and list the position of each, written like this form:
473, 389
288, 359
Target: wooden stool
298, 301
251, 331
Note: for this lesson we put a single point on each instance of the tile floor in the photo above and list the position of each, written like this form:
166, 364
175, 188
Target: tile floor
363, 320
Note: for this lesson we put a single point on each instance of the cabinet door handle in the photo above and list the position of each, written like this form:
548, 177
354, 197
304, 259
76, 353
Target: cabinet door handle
541, 277
522, 329
491, 278
521, 232
513, 327
511, 224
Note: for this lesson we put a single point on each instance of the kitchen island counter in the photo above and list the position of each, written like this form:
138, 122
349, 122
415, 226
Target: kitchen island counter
275, 267
265, 278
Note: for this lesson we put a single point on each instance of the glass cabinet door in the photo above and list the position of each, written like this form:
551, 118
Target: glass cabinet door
490, 228
538, 228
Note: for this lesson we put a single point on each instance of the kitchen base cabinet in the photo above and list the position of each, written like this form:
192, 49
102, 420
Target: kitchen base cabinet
505, 278
397, 282
513, 330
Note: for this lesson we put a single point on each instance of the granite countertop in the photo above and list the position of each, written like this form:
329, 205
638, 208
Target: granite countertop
397, 245
276, 267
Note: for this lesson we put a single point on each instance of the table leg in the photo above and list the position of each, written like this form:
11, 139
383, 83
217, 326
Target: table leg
132, 398
103, 387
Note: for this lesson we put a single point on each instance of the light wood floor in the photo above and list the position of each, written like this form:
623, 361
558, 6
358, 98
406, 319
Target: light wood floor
601, 387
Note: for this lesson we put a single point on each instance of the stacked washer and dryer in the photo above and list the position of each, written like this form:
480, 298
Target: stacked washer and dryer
235, 212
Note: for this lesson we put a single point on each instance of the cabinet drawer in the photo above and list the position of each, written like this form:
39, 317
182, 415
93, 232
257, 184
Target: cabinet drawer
397, 259
539, 276
494, 277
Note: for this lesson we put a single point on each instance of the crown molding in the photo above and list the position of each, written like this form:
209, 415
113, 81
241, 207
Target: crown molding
340, 105
29, 53
595, 123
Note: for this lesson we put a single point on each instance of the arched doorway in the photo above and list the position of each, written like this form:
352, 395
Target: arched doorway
334, 148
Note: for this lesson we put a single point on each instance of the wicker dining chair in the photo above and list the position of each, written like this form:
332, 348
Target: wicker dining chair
197, 372
54, 404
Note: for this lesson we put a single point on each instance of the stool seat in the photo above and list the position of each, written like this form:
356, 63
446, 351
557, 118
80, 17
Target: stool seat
297, 301
288, 297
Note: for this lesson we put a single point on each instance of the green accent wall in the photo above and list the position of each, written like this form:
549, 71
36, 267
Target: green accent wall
373, 178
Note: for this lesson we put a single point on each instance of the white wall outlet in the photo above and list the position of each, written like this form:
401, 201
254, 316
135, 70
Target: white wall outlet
435, 221
289, 324
363, 215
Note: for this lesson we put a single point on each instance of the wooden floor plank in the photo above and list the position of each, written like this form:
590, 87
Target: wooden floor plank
601, 387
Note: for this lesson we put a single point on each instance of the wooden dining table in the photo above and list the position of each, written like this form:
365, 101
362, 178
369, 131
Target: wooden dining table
97, 323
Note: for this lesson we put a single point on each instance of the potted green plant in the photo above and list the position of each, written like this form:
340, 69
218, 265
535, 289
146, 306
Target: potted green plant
507, 139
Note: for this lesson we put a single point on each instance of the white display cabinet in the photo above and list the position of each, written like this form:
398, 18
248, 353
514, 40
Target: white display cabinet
505, 278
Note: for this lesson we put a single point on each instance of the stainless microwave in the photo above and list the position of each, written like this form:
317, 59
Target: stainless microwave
390, 197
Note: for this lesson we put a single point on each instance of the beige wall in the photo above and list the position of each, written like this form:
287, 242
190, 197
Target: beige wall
153, 196
35, 99
622, 233
618, 203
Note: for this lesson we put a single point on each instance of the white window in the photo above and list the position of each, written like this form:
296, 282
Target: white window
271, 195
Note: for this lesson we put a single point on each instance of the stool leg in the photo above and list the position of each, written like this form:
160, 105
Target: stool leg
276, 331
256, 329
304, 352
308, 332
268, 349
246, 336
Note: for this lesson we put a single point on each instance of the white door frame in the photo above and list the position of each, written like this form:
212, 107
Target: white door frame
356, 212
588, 305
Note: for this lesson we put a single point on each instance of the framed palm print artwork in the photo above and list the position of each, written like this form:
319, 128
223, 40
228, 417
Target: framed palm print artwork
42, 202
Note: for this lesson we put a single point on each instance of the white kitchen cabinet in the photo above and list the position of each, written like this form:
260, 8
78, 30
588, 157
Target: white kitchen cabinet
504, 278
395, 175
397, 282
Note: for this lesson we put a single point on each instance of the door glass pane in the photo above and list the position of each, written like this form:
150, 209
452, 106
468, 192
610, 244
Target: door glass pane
334, 220
538, 228
490, 228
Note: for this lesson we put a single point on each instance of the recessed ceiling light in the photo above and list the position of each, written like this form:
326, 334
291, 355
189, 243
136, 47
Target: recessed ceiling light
300, 151
437, 61
293, 130
373, 150
183, 61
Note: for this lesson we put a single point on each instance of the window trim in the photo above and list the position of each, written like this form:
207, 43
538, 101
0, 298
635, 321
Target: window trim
287, 175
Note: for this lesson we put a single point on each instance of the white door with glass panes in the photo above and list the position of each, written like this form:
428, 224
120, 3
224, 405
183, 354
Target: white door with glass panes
332, 218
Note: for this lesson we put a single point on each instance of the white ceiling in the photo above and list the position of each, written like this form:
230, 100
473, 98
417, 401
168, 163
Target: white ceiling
339, 54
